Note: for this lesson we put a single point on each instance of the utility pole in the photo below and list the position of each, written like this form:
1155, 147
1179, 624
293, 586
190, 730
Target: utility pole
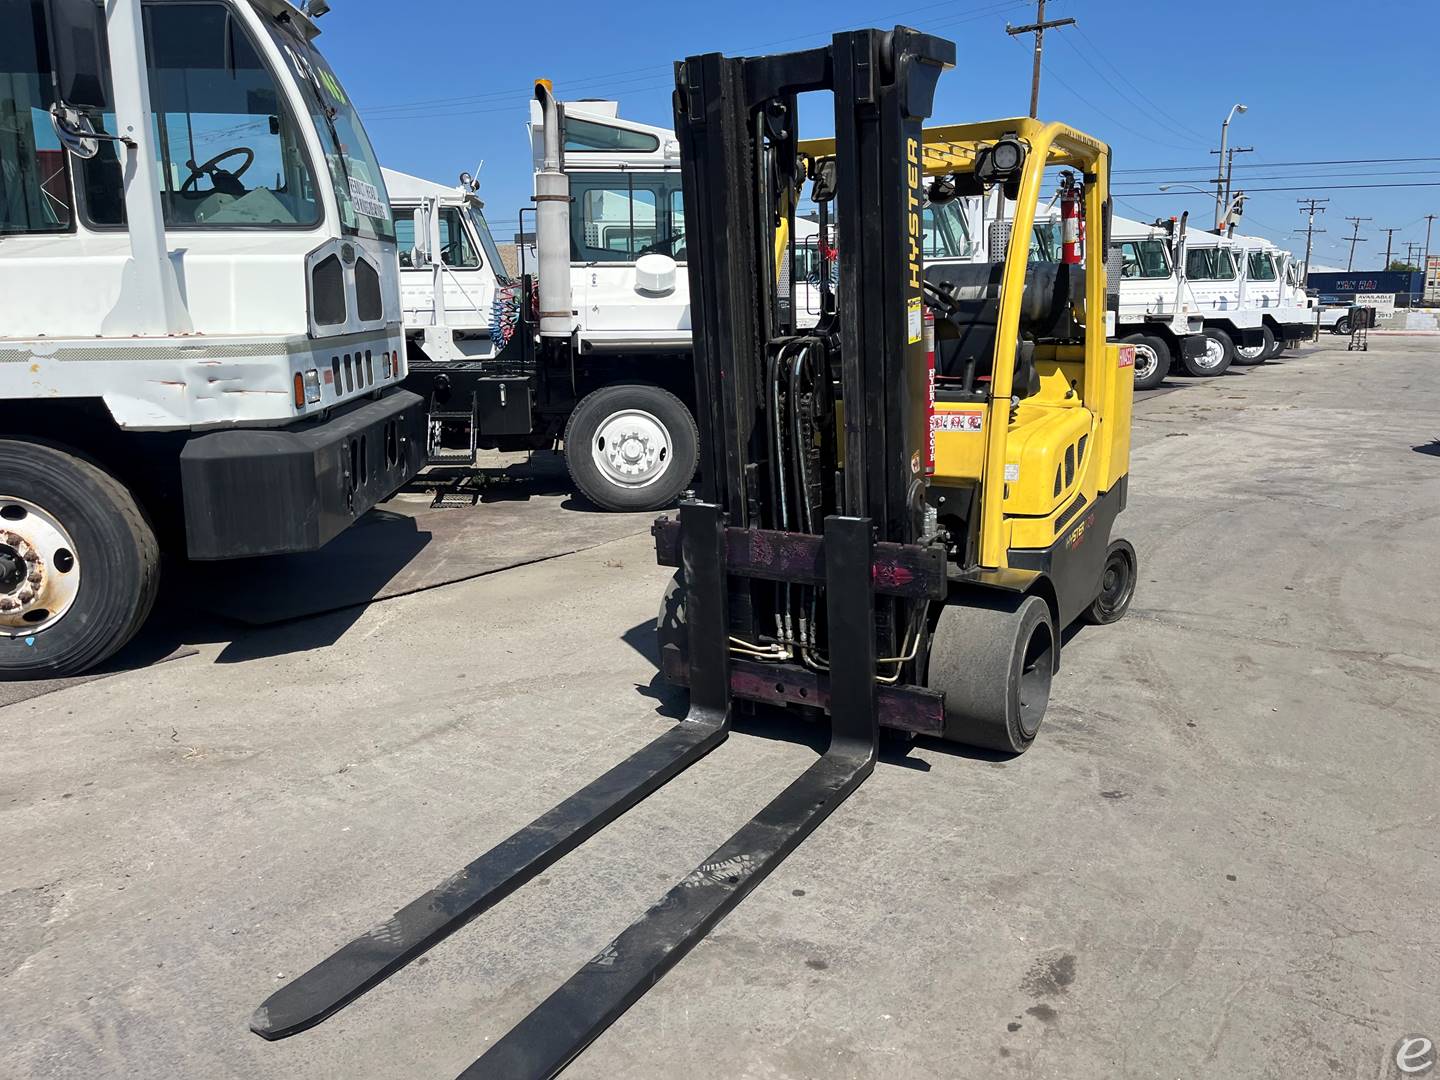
1411, 247
1429, 220
1312, 206
1355, 239
1389, 237
1228, 161
1222, 208
1038, 28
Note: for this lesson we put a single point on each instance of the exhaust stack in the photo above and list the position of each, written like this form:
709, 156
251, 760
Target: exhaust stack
552, 224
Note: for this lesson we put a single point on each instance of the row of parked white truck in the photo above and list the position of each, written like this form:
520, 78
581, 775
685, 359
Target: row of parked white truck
617, 393
219, 338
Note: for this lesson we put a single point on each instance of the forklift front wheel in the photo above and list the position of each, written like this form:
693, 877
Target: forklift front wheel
993, 657
1117, 585
631, 447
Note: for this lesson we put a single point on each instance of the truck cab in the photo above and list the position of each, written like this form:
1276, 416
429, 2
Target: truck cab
1215, 269
202, 309
1287, 320
1155, 313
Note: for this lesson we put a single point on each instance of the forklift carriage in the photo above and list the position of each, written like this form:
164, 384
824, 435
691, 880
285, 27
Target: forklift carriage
883, 534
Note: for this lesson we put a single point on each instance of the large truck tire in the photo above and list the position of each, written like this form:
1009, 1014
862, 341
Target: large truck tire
1219, 354
1259, 353
631, 447
79, 563
1152, 360
993, 657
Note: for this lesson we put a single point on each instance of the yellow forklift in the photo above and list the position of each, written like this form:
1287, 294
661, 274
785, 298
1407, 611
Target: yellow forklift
892, 525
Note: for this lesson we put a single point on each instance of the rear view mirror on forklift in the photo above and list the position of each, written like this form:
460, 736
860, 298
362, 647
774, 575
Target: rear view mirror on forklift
876, 541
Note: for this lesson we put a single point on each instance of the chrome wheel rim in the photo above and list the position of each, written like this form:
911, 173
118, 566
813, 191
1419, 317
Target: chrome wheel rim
39, 568
632, 448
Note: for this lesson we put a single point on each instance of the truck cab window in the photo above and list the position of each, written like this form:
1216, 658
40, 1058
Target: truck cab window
1144, 259
1209, 264
34, 178
618, 217
1261, 267
230, 154
585, 135
456, 248
944, 232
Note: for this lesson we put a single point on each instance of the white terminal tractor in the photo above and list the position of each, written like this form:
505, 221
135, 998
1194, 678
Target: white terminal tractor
200, 324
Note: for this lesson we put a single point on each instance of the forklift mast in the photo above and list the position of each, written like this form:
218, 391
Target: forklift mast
738, 126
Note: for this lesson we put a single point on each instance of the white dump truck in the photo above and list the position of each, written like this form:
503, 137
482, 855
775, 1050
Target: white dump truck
200, 338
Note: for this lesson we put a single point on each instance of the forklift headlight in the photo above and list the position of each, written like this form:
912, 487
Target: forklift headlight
312, 386
1007, 156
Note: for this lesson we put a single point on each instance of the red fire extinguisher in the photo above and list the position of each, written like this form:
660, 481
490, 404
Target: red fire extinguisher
1070, 224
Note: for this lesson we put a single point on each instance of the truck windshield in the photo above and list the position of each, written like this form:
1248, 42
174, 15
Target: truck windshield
34, 183
1209, 264
1261, 267
1144, 259
354, 170
1045, 244
946, 235
487, 241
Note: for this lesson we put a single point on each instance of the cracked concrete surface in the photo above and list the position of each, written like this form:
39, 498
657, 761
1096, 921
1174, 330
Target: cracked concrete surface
1219, 860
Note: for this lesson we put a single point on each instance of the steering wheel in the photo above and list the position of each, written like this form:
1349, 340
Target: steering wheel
664, 245
221, 180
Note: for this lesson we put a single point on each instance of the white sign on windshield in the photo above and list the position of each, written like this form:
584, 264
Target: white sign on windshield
366, 199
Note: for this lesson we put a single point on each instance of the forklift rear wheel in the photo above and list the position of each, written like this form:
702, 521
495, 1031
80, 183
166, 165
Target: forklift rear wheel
993, 658
1117, 585
1257, 354
1152, 360
631, 447
1218, 355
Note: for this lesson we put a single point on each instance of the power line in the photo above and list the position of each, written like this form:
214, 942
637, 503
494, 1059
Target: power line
1119, 72
1308, 187
1130, 99
1279, 164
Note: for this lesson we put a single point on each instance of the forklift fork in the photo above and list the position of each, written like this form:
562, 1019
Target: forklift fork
425, 922
600, 992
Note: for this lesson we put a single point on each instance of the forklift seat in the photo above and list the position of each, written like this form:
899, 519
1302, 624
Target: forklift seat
965, 342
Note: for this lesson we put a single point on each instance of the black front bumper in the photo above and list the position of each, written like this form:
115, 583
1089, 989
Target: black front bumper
1249, 337
1192, 346
270, 491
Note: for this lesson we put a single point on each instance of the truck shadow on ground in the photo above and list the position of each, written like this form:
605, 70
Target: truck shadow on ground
1430, 448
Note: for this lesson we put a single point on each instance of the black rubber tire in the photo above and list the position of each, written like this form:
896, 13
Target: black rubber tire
993, 657
1117, 585
1163, 359
115, 545
1268, 348
1342, 326
584, 426
1196, 365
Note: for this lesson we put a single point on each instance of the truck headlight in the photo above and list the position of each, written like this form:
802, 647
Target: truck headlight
312, 386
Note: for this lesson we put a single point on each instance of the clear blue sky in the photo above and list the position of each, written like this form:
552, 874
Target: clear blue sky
1324, 80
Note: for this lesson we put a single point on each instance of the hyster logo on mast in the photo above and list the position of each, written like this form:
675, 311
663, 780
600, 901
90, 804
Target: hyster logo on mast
912, 195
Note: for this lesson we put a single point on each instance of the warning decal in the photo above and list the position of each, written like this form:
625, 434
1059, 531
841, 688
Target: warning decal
916, 321
1127, 355
958, 421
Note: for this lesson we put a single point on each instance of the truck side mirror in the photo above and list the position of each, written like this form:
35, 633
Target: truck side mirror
420, 254
79, 56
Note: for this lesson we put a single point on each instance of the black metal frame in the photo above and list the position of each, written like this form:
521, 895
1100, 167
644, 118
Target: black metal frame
866, 559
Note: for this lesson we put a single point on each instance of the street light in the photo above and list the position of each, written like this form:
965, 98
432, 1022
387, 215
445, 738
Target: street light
1229, 205
1222, 178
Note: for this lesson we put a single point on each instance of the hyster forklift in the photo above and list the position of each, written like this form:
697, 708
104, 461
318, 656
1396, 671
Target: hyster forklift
884, 537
